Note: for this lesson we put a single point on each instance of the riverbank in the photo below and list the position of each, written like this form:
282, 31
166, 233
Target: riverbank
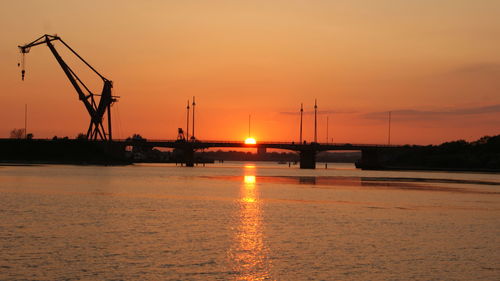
482, 155
62, 151
396, 168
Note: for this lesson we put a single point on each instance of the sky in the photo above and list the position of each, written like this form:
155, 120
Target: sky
434, 64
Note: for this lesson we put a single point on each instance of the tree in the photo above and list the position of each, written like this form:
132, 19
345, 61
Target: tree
136, 137
81, 136
17, 134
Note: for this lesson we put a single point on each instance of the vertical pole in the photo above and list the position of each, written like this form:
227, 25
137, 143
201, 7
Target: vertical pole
301, 112
109, 123
192, 136
315, 121
389, 135
326, 129
25, 121
187, 122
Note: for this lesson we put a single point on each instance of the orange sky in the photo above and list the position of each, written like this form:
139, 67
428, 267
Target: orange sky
434, 64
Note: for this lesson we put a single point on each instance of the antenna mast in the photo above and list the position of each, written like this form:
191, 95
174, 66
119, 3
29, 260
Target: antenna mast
187, 121
25, 121
301, 113
192, 136
389, 135
315, 121
326, 129
249, 118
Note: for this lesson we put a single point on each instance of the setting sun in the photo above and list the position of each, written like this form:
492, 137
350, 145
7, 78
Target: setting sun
250, 141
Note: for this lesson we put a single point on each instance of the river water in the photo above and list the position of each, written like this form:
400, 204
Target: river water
246, 221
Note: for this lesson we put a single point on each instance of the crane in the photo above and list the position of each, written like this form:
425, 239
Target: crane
96, 130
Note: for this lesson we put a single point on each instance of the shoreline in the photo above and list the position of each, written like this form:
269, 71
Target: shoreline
55, 162
433, 169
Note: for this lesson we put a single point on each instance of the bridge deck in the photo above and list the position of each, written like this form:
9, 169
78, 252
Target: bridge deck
240, 144
198, 144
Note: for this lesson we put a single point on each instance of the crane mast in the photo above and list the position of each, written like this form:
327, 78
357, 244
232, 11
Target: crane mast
96, 130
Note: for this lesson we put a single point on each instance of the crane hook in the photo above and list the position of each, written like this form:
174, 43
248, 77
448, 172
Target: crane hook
23, 71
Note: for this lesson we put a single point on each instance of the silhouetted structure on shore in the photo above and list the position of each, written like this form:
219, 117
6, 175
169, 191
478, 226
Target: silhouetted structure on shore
63, 151
96, 110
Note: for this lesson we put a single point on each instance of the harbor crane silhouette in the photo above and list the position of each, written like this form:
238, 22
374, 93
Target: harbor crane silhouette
96, 110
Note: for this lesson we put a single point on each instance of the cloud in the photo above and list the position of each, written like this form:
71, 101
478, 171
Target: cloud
320, 112
413, 114
479, 68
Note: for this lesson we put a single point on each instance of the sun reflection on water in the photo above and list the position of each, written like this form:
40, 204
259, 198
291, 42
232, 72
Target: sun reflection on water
250, 181
249, 253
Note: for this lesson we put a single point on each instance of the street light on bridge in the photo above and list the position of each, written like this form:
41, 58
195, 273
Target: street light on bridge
249, 139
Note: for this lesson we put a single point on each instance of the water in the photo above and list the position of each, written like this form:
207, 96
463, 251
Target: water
246, 221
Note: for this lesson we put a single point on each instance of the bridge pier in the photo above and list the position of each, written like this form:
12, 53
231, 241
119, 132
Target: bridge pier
370, 159
261, 150
308, 159
188, 156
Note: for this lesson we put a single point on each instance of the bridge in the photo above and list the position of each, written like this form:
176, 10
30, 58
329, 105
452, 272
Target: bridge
307, 151
64, 150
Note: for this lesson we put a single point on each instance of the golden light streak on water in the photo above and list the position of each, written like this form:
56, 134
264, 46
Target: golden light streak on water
250, 252
249, 180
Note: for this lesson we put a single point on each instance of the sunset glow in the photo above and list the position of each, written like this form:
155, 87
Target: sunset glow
434, 65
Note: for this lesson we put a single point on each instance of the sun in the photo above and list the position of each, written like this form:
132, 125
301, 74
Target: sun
250, 141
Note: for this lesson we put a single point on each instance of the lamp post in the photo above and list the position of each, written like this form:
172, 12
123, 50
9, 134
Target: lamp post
315, 121
192, 136
301, 113
187, 121
389, 135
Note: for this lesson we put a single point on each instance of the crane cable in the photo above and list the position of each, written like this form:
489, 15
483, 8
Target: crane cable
22, 64
119, 122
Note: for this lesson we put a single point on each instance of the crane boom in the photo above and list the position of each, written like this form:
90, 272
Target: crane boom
96, 128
